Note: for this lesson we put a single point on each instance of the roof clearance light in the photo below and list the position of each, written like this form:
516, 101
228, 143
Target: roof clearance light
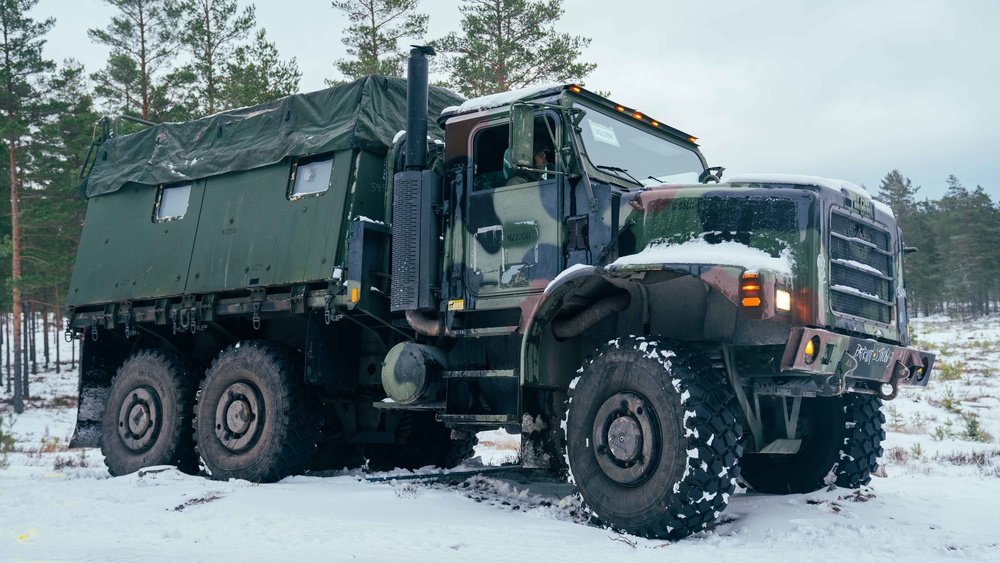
654, 123
782, 300
575, 88
637, 115
620, 108
692, 139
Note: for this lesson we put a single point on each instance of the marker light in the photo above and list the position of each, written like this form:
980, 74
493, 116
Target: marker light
654, 123
637, 115
575, 88
750, 289
620, 108
692, 139
354, 295
811, 350
782, 300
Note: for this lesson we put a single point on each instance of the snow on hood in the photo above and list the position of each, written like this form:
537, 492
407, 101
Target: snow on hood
699, 251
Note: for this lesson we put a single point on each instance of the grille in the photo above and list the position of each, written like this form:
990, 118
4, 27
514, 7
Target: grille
861, 269
405, 241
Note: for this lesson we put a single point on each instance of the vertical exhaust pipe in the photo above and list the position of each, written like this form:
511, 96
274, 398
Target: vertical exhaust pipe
417, 80
416, 192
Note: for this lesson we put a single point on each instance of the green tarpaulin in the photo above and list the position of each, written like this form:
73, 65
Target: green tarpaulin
364, 114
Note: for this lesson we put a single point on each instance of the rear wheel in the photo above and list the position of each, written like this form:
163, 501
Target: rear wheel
255, 418
148, 414
653, 439
841, 443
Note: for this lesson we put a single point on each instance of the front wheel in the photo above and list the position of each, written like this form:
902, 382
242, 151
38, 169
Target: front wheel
653, 439
841, 443
255, 418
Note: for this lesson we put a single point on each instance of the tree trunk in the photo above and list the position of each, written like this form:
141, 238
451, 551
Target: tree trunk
58, 334
25, 371
6, 331
45, 335
15, 277
33, 323
3, 339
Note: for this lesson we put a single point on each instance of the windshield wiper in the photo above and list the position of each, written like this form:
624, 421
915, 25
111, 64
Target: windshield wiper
616, 169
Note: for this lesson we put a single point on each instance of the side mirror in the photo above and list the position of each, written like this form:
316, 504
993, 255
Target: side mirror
522, 135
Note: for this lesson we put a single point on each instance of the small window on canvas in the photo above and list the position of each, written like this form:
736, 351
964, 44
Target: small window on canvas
173, 202
312, 177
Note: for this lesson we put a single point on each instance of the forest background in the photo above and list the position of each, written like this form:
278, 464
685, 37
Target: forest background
175, 60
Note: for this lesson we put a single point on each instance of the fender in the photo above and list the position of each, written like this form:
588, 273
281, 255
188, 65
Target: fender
563, 350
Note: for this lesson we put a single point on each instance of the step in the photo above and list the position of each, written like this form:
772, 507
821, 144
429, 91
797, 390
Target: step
480, 374
486, 419
783, 446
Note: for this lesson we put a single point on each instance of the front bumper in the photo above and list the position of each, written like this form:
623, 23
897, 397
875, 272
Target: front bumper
854, 363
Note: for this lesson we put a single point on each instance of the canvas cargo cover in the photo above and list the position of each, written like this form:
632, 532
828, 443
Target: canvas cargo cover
365, 114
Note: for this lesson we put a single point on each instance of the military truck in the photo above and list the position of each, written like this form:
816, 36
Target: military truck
375, 272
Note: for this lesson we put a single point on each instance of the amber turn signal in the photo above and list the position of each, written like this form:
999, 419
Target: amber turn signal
811, 350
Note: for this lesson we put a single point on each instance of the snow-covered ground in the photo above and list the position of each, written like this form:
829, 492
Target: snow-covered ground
938, 498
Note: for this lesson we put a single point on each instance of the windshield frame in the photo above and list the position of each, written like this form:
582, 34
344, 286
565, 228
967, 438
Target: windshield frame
579, 104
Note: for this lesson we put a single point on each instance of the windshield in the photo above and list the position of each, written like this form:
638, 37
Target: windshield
651, 160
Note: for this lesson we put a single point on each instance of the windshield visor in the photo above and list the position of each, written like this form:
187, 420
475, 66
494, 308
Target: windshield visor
650, 159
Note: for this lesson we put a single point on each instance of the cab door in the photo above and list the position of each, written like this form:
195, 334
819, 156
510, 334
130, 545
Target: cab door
515, 231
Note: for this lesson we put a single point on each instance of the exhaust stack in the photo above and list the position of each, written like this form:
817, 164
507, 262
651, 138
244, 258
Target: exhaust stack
416, 193
417, 79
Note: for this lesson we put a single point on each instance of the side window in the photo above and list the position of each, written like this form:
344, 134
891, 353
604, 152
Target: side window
171, 202
311, 177
488, 147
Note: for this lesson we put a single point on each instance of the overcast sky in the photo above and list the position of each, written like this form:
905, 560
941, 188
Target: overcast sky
844, 89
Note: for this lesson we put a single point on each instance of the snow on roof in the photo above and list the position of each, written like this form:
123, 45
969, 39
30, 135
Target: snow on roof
883, 208
727, 253
501, 99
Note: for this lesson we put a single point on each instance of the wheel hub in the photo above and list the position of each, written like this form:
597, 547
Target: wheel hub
239, 416
139, 419
627, 438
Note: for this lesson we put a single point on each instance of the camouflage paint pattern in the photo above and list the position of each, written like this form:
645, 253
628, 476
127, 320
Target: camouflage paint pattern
260, 251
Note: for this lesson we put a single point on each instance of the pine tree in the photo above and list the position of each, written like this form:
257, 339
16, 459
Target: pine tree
373, 37
957, 231
510, 44
23, 70
210, 32
899, 194
257, 74
53, 214
924, 274
143, 44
